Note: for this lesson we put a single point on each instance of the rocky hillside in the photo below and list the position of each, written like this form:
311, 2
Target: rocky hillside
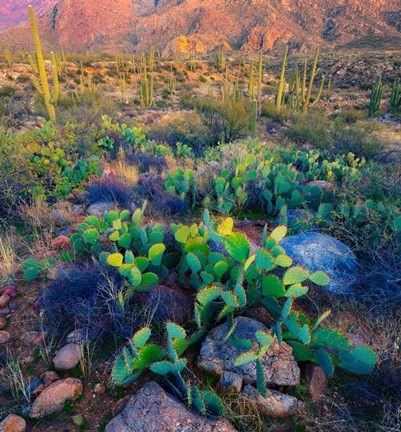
202, 25
13, 12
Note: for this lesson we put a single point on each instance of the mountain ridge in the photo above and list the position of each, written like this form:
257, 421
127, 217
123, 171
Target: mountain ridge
203, 25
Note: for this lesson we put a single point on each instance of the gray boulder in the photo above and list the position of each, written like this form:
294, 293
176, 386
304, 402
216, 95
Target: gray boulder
154, 410
317, 251
67, 357
275, 404
98, 209
217, 356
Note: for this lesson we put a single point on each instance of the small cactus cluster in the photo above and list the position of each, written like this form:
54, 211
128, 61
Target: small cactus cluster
375, 98
299, 94
146, 87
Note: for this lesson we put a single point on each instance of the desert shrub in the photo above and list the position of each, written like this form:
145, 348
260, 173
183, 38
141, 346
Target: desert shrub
226, 121
270, 110
338, 137
16, 177
14, 107
148, 163
169, 204
83, 296
110, 190
183, 127
350, 116
313, 129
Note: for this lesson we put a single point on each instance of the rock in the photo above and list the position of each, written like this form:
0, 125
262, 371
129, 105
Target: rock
54, 397
32, 338
317, 251
3, 323
317, 381
169, 304
323, 185
4, 337
13, 423
4, 300
99, 208
78, 210
154, 410
275, 404
50, 377
61, 243
11, 291
297, 219
67, 357
99, 388
217, 356
78, 336
230, 382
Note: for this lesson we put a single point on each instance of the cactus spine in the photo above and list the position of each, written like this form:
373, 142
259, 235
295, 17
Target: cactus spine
281, 86
260, 78
376, 97
43, 87
395, 98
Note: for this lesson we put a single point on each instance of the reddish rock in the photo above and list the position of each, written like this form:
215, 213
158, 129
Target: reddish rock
3, 323
32, 338
317, 381
11, 291
61, 243
4, 300
4, 337
53, 398
199, 26
99, 388
13, 423
50, 377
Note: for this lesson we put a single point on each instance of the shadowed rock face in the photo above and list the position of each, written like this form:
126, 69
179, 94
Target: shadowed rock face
217, 356
154, 410
203, 25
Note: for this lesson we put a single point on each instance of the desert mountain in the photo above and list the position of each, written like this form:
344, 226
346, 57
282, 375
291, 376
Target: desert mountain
202, 25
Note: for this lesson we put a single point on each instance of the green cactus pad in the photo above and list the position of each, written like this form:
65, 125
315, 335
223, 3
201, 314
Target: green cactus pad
206, 295
238, 246
319, 278
246, 357
331, 338
295, 275
115, 260
141, 337
360, 360
175, 331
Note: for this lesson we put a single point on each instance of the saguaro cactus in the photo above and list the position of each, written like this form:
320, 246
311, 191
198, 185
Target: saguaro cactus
395, 98
376, 97
260, 78
251, 85
43, 87
306, 100
146, 88
7, 56
281, 86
